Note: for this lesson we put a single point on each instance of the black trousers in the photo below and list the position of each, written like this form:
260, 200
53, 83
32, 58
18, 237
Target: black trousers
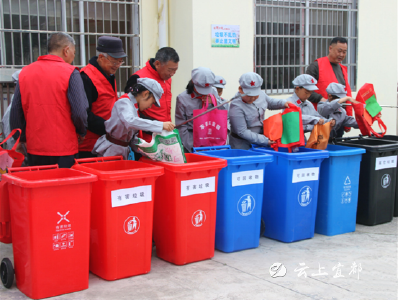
43, 160
86, 154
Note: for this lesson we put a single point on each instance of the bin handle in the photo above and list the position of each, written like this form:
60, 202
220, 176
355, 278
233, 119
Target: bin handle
342, 139
98, 159
199, 149
33, 168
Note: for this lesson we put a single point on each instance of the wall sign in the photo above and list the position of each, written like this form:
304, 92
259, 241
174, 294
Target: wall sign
225, 36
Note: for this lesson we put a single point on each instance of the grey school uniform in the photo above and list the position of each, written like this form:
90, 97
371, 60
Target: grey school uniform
247, 120
334, 110
123, 125
186, 103
309, 115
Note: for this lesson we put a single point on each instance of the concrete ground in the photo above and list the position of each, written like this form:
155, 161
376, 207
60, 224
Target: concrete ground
246, 274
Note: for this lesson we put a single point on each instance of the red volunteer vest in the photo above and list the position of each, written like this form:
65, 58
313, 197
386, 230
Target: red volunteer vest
49, 127
102, 107
327, 76
162, 113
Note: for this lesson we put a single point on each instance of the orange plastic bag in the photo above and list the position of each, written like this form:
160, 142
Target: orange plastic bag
273, 127
319, 137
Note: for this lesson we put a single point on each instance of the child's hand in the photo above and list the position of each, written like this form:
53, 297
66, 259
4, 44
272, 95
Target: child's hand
271, 142
333, 123
321, 122
287, 104
168, 126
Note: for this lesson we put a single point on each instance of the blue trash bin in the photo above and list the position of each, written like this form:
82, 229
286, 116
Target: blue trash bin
338, 190
291, 192
239, 198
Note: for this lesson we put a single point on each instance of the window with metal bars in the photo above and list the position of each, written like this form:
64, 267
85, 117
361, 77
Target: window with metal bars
25, 26
291, 34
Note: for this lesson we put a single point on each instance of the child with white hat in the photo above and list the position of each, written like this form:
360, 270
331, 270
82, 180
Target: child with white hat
304, 85
219, 84
124, 124
246, 113
332, 109
198, 88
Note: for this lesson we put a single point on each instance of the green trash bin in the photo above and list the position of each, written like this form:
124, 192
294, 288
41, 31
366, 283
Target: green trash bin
377, 179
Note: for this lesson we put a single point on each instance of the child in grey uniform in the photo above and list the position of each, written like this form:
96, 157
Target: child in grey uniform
124, 123
332, 109
192, 98
246, 113
304, 85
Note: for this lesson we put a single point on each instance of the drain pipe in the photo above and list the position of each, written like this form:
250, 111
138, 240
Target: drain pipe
163, 23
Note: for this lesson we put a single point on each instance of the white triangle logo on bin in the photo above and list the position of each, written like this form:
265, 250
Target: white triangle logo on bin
347, 181
131, 225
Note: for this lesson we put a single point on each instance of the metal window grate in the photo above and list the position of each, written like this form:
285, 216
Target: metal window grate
26, 24
290, 34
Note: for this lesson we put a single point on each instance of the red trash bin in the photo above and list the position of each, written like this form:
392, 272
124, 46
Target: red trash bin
50, 221
185, 209
121, 215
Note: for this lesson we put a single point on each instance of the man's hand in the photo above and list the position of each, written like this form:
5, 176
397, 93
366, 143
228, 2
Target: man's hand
168, 126
321, 122
20, 148
80, 139
333, 123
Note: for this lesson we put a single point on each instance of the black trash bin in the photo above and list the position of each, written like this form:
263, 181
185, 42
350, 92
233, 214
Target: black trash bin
392, 138
377, 179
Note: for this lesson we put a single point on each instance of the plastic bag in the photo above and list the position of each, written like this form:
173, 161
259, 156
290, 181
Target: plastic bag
165, 147
319, 137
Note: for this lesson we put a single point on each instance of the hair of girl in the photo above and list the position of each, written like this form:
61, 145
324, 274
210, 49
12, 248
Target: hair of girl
138, 89
190, 87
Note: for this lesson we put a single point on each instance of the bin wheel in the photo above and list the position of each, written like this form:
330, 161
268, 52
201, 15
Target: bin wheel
262, 227
7, 273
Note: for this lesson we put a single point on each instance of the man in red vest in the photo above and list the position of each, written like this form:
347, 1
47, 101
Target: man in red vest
100, 85
161, 68
329, 69
50, 105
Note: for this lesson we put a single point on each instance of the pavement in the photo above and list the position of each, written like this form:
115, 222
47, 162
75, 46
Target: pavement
357, 265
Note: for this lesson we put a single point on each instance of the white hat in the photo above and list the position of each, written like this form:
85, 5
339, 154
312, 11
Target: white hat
306, 81
203, 80
154, 87
220, 82
336, 89
251, 83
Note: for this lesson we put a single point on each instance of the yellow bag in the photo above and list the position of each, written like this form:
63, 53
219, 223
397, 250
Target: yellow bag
319, 137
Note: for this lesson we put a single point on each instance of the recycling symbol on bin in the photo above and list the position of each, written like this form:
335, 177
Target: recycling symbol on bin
246, 205
304, 196
131, 225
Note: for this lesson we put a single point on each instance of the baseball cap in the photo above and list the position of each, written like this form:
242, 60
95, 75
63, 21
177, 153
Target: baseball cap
251, 83
154, 87
306, 81
220, 82
336, 89
112, 46
203, 80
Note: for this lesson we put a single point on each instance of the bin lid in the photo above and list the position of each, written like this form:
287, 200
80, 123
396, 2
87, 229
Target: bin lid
337, 150
240, 157
372, 145
195, 162
392, 138
119, 169
43, 178
302, 154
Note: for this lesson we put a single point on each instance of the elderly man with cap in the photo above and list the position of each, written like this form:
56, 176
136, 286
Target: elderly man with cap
333, 108
100, 85
329, 69
192, 98
124, 124
50, 105
304, 85
161, 68
246, 113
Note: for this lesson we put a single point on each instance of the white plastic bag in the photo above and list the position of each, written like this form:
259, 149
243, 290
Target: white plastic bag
165, 147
